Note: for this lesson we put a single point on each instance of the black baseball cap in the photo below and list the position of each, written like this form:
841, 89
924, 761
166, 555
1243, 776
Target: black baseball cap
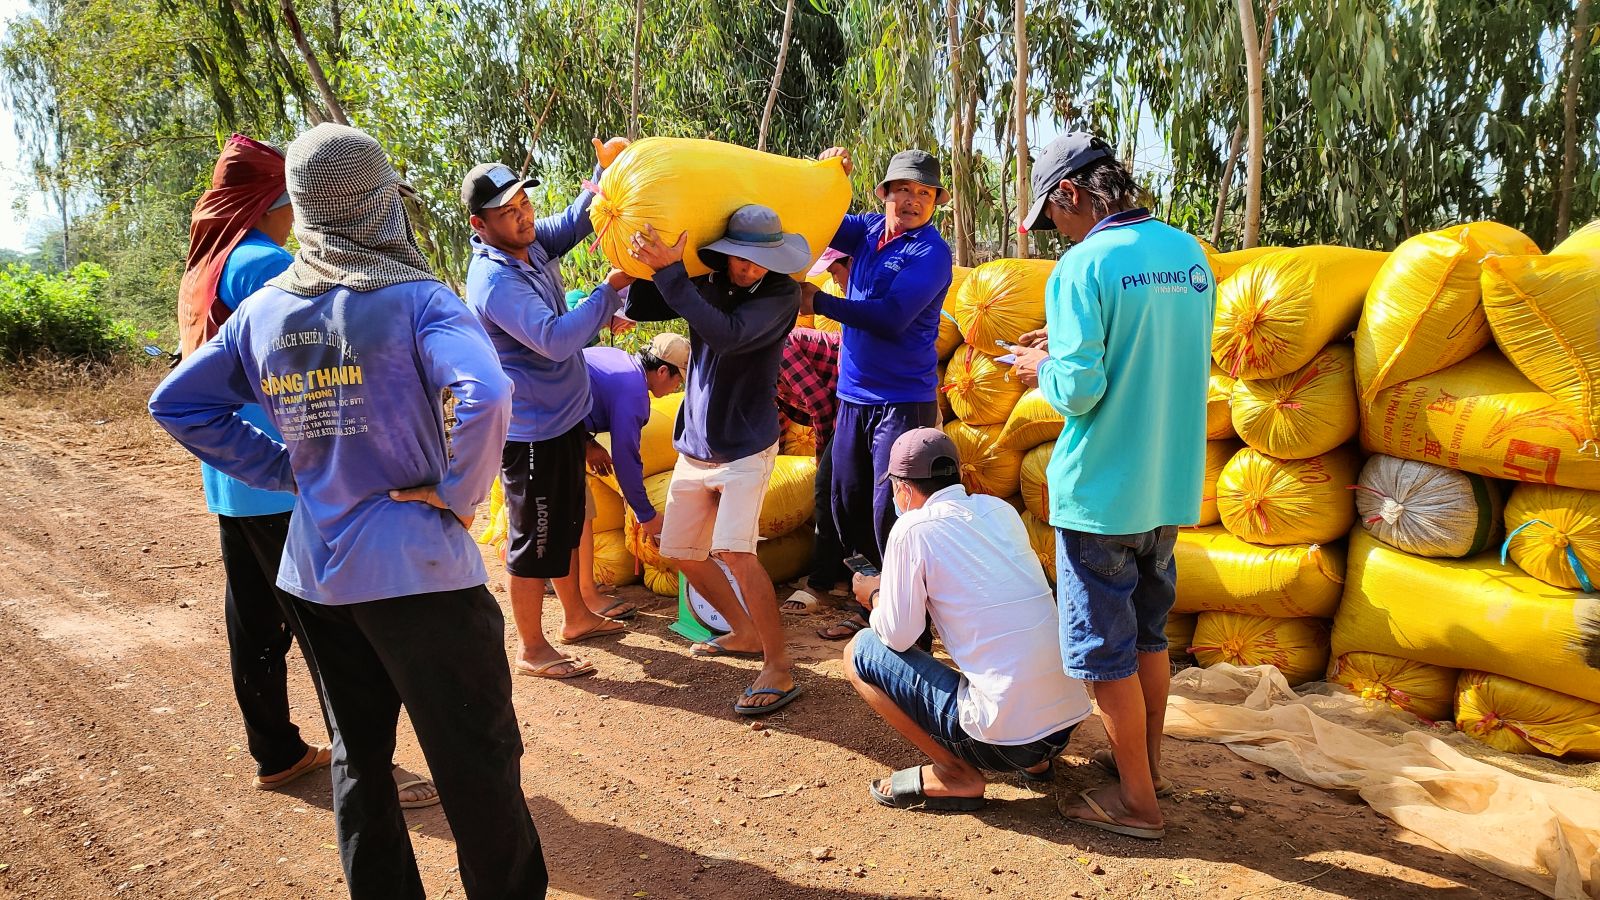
490, 185
922, 453
1065, 156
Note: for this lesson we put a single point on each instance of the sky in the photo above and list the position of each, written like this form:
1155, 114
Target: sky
15, 229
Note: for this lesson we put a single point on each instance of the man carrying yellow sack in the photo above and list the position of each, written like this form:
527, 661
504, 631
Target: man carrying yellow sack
739, 318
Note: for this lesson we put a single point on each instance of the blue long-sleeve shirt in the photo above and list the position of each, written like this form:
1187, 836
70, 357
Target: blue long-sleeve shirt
736, 340
1129, 315
352, 382
621, 408
891, 317
523, 308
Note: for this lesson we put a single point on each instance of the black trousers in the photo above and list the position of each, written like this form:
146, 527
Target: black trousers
828, 568
259, 637
443, 656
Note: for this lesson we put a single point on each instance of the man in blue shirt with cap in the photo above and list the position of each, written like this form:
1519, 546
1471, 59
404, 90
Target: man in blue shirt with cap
1128, 319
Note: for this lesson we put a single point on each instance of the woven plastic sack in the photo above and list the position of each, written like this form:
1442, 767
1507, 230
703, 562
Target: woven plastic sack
1427, 692
495, 534
985, 467
1288, 501
1279, 311
798, 440
823, 323
946, 414
1034, 480
981, 391
1033, 421
1545, 314
1219, 417
1042, 538
1555, 535
678, 184
950, 332
1482, 416
648, 552
1585, 240
610, 511
1217, 572
1424, 311
613, 563
1218, 455
1001, 300
655, 440
1428, 510
1180, 632
1464, 614
1515, 717
791, 497
1297, 647
1223, 265
1303, 414
662, 581
788, 556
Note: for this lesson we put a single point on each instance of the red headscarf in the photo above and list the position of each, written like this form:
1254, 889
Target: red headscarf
247, 179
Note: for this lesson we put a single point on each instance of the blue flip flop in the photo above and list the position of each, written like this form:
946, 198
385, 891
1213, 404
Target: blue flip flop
719, 650
784, 699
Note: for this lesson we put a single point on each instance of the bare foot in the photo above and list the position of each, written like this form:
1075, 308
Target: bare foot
1110, 800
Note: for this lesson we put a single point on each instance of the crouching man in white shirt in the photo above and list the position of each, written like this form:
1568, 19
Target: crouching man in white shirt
966, 562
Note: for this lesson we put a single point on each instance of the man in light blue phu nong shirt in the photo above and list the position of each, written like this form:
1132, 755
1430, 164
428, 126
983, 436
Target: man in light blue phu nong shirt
1128, 318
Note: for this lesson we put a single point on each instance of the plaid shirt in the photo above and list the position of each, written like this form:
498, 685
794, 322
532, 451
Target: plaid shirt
808, 379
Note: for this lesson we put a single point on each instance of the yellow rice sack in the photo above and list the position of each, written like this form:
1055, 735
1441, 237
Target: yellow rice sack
1428, 510
1288, 501
1033, 421
1545, 314
950, 332
678, 184
946, 414
1515, 717
823, 323
1464, 614
986, 468
1555, 534
1298, 647
1303, 414
1001, 300
1217, 572
1481, 416
1219, 417
662, 581
1218, 455
791, 497
981, 391
655, 439
1034, 481
1180, 633
495, 534
1223, 265
788, 556
1042, 538
613, 564
798, 440
647, 552
1279, 311
610, 513
1424, 311
1585, 240
1427, 692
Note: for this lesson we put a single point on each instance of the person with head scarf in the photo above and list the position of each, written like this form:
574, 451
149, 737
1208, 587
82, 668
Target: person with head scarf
348, 350
236, 239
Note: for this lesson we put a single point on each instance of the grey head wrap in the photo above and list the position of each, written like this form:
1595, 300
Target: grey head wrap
349, 215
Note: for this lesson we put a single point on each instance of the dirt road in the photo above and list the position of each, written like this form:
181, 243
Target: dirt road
121, 771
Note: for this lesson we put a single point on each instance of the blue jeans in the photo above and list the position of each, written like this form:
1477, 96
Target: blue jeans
1114, 592
925, 689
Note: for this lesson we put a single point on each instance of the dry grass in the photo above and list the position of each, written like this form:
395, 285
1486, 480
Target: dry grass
104, 394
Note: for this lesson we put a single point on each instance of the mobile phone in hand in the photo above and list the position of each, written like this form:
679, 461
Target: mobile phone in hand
861, 565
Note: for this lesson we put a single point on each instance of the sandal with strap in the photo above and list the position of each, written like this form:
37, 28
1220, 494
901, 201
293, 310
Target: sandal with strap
1104, 821
1107, 760
905, 792
852, 625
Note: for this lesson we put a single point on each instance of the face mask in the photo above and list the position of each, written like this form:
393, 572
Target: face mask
895, 498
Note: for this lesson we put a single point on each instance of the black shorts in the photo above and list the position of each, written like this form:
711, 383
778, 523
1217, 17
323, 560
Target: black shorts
544, 503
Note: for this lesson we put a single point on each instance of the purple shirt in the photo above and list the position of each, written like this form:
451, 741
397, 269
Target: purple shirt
621, 407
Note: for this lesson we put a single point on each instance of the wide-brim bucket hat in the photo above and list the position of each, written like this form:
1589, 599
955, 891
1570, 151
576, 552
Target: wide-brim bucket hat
755, 233
915, 165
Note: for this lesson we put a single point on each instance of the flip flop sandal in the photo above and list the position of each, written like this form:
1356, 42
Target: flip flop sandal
1107, 760
784, 699
315, 758
808, 602
905, 792
1044, 777
577, 670
719, 650
851, 624
1105, 822
404, 786
595, 633
623, 616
